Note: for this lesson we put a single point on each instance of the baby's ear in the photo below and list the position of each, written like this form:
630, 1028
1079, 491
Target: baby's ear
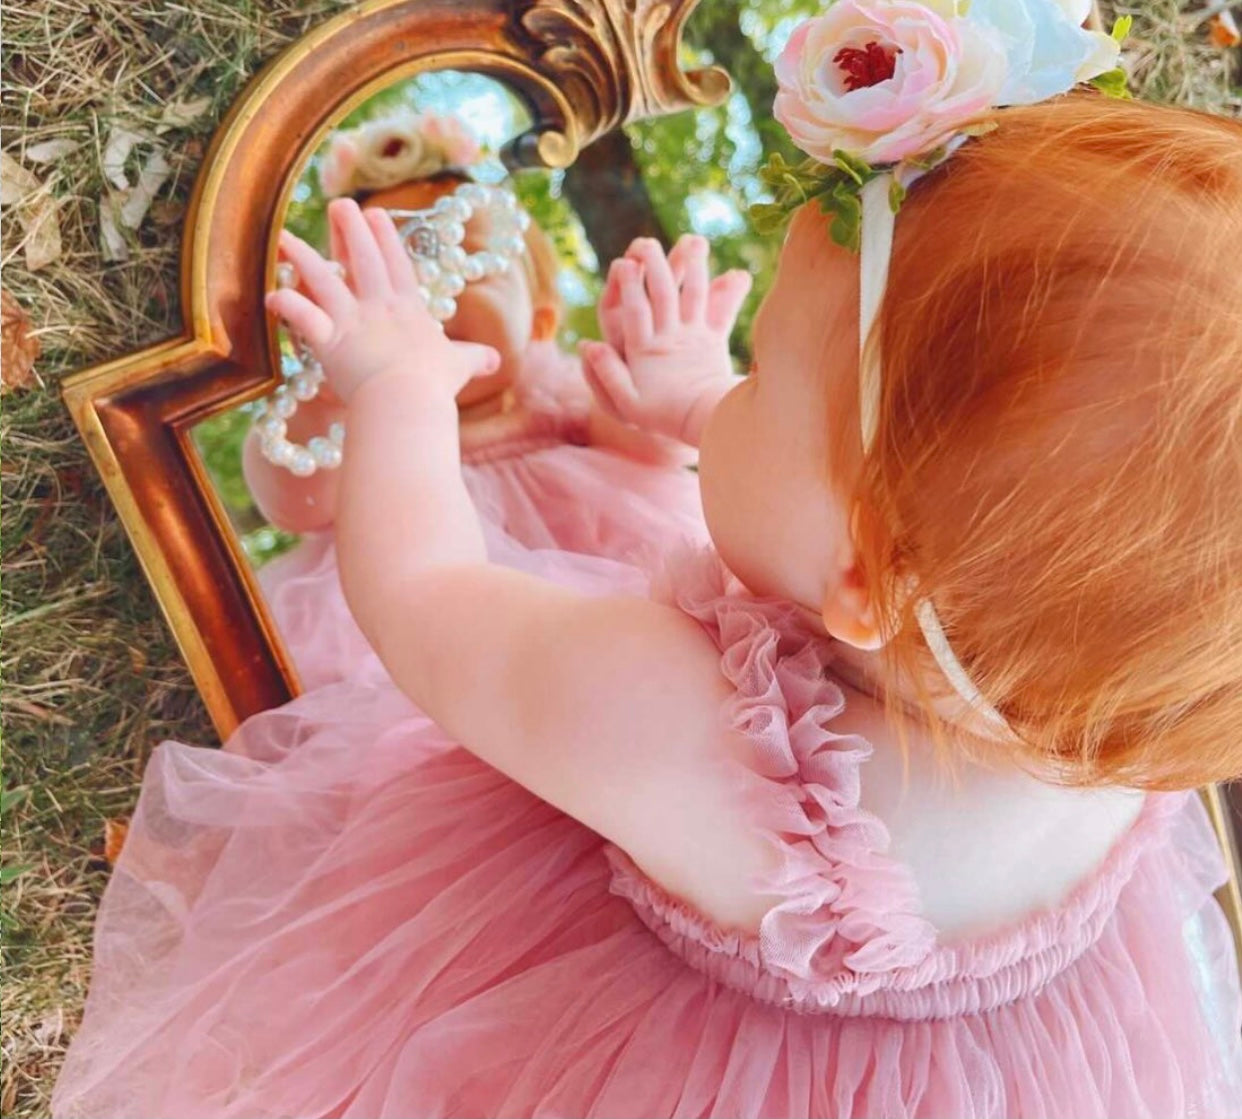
544, 323
848, 612
849, 608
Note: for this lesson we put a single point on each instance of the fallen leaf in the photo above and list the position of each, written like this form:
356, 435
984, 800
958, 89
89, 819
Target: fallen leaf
1223, 30
43, 234
114, 246
180, 114
16, 183
116, 151
50, 150
115, 833
153, 175
36, 210
21, 347
125, 209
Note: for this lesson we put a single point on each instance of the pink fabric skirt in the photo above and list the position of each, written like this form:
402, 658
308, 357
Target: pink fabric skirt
342, 913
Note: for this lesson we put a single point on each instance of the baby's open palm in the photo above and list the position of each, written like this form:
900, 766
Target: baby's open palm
367, 316
666, 328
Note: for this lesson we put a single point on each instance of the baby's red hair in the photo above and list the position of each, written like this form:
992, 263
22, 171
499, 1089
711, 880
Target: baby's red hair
1059, 457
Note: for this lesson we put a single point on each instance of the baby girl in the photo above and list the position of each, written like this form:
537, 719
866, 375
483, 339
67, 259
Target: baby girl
878, 805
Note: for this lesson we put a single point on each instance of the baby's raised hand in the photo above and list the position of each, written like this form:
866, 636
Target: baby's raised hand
373, 321
665, 360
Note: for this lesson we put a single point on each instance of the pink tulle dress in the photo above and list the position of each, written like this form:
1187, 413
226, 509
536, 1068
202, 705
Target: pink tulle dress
344, 913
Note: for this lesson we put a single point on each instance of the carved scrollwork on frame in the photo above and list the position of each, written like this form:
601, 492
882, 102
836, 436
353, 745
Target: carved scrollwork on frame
615, 61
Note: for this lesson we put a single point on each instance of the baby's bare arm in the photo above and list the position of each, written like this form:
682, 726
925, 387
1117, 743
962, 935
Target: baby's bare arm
608, 708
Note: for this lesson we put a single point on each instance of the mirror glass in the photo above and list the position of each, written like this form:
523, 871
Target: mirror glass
693, 171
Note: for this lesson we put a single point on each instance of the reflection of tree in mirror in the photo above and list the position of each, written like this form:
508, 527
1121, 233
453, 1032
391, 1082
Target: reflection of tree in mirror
701, 169
692, 171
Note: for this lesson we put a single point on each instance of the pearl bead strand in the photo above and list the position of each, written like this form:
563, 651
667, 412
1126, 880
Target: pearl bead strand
433, 238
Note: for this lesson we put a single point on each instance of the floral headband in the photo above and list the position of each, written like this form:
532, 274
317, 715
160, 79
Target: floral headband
395, 149
879, 92
892, 87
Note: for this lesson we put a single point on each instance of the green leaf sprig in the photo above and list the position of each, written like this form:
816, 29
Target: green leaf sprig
836, 185
1113, 83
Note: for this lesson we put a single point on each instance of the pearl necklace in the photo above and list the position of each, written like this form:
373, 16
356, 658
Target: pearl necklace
433, 238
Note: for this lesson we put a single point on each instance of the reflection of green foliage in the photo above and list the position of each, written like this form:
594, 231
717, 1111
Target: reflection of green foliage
714, 150
580, 283
219, 442
264, 544
716, 154
700, 169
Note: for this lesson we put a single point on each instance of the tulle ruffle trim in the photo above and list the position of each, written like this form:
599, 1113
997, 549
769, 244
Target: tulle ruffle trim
849, 936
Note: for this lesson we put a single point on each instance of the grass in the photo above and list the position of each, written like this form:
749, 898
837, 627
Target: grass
91, 677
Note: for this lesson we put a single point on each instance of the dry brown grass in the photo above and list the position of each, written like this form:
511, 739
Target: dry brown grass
91, 678
1169, 58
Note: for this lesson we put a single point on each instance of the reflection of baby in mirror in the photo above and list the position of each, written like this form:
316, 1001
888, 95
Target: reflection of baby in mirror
540, 456
881, 804
405, 162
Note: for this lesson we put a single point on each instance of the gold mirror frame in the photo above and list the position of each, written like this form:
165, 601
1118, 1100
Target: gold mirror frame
584, 67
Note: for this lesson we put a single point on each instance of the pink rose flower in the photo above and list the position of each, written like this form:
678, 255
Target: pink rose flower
885, 81
453, 138
398, 148
340, 162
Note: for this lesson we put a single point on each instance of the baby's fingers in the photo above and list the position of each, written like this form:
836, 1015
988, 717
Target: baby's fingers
610, 316
368, 271
598, 391
609, 378
304, 319
321, 280
478, 360
725, 298
661, 287
636, 317
392, 250
337, 253
689, 260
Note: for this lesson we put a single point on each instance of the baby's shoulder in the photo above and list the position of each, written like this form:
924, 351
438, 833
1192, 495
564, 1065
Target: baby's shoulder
985, 846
